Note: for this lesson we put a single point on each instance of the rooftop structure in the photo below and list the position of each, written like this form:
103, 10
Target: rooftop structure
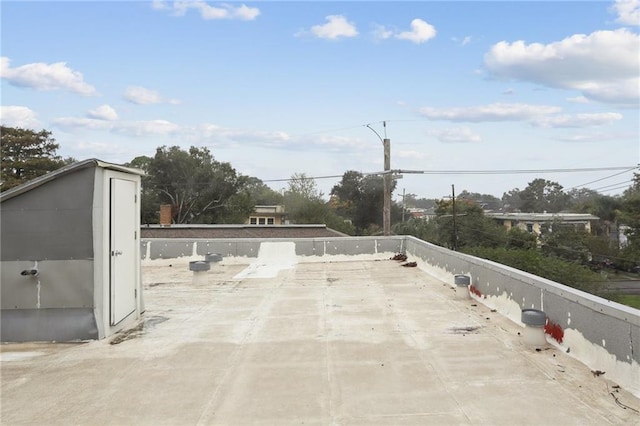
70, 254
267, 215
533, 222
331, 331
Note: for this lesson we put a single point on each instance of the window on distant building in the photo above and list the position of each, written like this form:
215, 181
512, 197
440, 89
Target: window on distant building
256, 220
529, 227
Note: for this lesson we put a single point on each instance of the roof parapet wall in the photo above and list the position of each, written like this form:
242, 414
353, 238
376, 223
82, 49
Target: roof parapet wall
602, 334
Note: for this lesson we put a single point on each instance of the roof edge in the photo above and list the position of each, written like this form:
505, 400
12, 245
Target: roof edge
41, 180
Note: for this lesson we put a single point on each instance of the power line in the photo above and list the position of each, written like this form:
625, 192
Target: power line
601, 179
468, 172
616, 188
625, 184
509, 172
306, 177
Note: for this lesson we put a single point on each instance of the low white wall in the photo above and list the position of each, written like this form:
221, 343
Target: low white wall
604, 335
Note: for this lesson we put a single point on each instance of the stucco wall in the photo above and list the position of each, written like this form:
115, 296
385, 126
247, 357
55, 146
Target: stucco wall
604, 335
49, 229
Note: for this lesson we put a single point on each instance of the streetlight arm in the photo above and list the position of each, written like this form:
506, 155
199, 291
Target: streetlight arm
377, 134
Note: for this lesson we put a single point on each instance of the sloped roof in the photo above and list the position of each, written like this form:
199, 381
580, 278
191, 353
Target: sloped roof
41, 180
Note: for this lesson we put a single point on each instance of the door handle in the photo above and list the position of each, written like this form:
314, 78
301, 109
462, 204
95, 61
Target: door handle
116, 253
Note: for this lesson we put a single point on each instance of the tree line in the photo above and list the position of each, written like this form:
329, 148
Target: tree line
201, 189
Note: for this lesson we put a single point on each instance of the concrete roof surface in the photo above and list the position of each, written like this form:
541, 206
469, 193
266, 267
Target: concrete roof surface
364, 342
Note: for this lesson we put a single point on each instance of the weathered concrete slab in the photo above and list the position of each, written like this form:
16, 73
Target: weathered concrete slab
341, 343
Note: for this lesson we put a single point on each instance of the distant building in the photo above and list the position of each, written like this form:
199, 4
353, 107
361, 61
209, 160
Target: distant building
267, 215
535, 222
418, 213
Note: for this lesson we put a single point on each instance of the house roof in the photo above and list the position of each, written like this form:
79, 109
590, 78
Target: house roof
41, 180
238, 231
544, 217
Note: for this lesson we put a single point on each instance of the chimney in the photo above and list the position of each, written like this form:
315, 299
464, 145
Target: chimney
165, 214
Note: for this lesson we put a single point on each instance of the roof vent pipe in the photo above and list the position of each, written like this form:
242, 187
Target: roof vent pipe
213, 257
534, 321
462, 283
199, 268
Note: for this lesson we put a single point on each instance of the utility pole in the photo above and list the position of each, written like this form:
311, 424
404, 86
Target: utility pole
386, 209
455, 229
403, 204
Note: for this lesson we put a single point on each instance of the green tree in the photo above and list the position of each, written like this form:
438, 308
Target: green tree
426, 230
472, 228
485, 201
262, 194
520, 239
566, 243
200, 189
512, 201
629, 216
543, 196
603, 206
26, 154
304, 205
360, 199
535, 262
149, 206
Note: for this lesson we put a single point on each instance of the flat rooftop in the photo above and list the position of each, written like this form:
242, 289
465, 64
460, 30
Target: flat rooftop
360, 342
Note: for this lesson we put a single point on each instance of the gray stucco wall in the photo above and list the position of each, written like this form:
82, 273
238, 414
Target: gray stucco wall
49, 227
156, 248
50, 222
597, 319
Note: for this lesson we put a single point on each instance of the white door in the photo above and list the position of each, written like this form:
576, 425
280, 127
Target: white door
122, 248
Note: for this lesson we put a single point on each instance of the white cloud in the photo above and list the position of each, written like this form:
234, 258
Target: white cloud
103, 112
421, 31
219, 134
73, 123
336, 27
246, 13
578, 100
603, 65
577, 120
128, 128
18, 116
456, 135
628, 11
414, 155
143, 96
207, 12
147, 128
92, 148
598, 137
41, 76
159, 5
380, 32
491, 112
336, 143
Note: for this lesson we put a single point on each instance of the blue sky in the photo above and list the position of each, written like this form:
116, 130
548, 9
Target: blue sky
277, 88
